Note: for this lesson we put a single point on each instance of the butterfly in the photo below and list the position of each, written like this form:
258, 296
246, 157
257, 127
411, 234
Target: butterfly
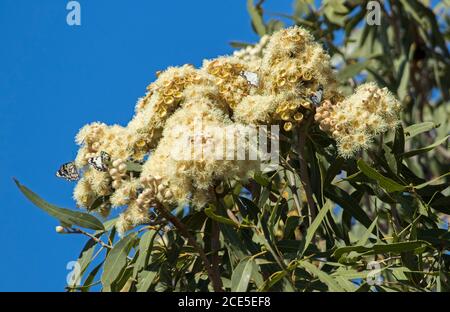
100, 163
317, 97
252, 78
68, 171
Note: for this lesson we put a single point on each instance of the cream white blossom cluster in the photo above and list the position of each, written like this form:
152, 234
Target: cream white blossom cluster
355, 121
186, 107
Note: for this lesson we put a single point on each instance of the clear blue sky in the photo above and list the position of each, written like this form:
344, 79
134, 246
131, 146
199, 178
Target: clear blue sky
55, 78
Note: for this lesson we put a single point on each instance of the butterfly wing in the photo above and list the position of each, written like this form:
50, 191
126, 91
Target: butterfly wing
252, 78
316, 98
100, 163
106, 158
68, 171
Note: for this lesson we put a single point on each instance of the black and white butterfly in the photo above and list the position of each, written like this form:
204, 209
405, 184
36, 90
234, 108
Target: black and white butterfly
317, 97
68, 171
251, 77
101, 162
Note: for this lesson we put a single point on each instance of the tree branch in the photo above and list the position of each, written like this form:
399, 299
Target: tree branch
215, 281
93, 237
215, 246
304, 175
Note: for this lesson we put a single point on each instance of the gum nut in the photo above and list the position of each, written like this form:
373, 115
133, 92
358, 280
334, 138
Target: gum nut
157, 179
59, 229
285, 116
298, 117
147, 192
122, 167
139, 201
288, 126
117, 162
140, 143
143, 179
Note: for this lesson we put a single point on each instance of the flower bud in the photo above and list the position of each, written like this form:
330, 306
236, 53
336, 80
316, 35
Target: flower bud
148, 200
122, 167
147, 192
59, 229
95, 146
117, 162
317, 116
113, 172
168, 194
116, 184
161, 188
158, 179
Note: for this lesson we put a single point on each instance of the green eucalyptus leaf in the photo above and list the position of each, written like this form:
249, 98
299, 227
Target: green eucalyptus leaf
419, 128
241, 275
346, 202
388, 184
332, 284
116, 261
257, 19
426, 149
64, 215
381, 248
316, 223
145, 280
